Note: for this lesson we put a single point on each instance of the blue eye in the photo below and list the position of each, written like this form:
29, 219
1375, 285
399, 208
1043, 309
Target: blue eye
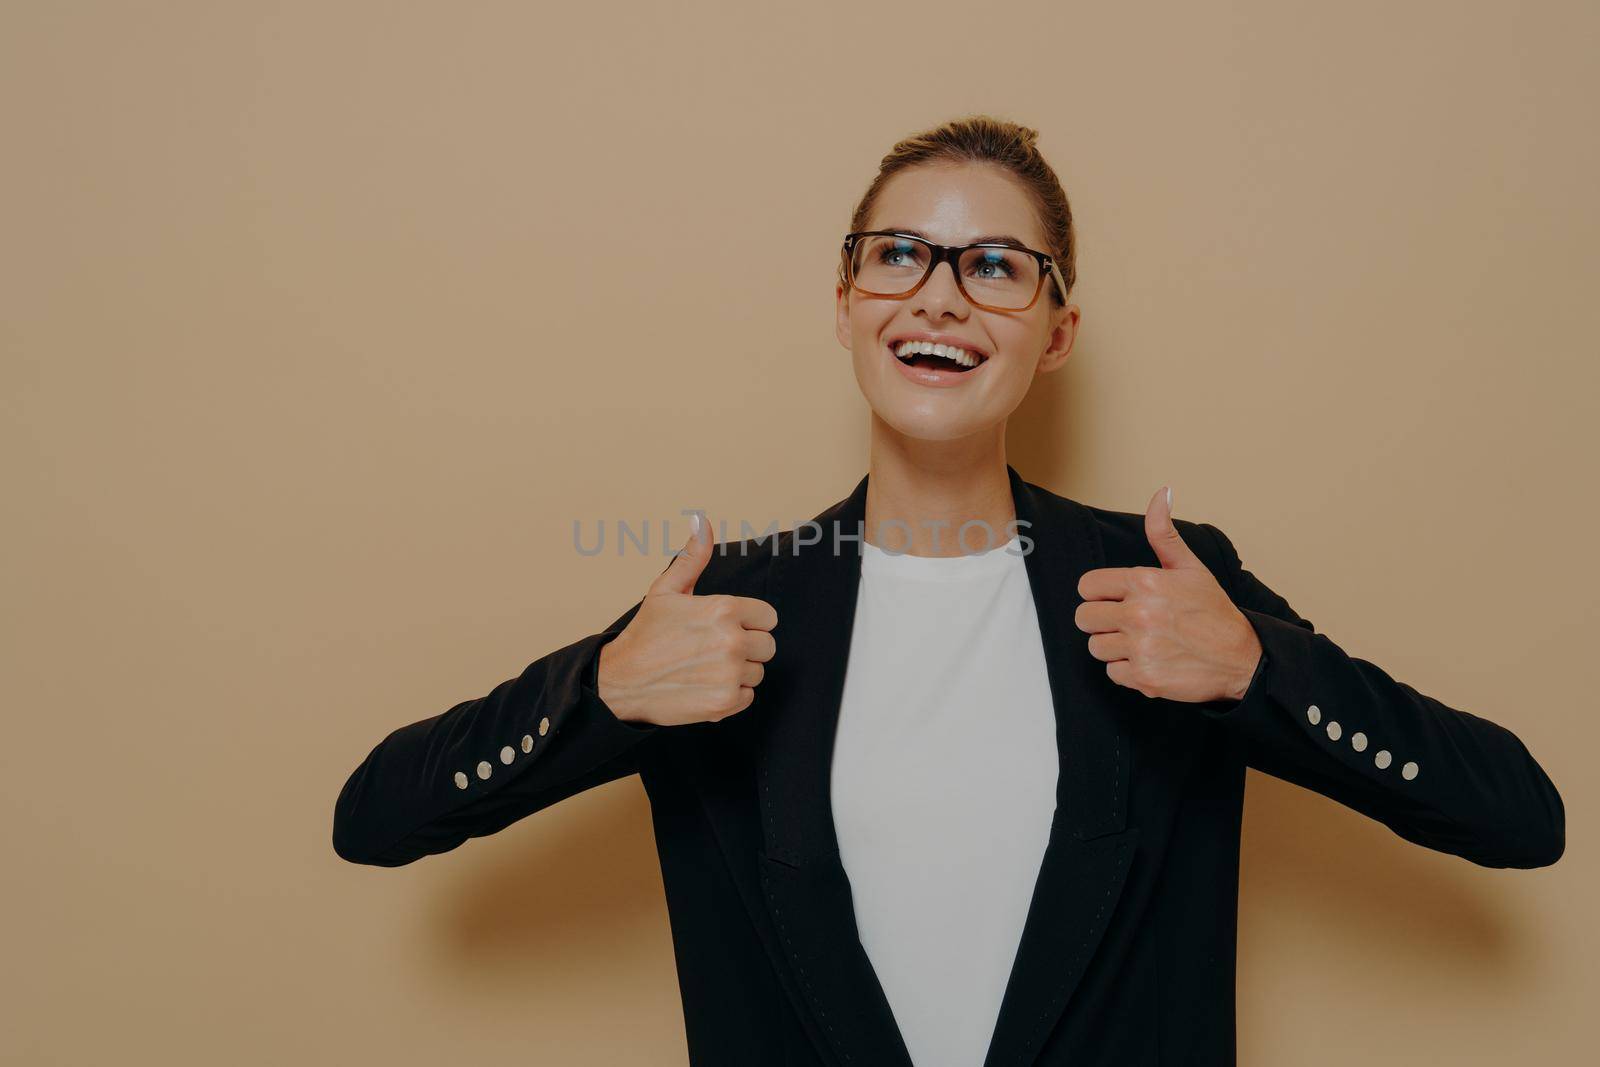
899, 248
994, 257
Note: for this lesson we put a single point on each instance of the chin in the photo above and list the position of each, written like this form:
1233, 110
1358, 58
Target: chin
929, 426
923, 415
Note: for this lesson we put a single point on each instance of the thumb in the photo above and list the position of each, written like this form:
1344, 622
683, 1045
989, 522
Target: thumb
1171, 549
685, 568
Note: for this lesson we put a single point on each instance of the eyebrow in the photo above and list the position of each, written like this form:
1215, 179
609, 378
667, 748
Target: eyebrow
991, 239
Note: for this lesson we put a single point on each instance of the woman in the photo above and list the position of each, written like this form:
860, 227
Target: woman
1008, 833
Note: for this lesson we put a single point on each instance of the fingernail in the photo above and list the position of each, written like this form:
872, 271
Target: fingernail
1169, 498
696, 524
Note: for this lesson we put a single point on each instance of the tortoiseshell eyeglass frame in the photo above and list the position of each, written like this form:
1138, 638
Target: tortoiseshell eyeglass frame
952, 255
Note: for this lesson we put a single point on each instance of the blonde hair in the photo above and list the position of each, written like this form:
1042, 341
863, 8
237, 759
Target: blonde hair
985, 139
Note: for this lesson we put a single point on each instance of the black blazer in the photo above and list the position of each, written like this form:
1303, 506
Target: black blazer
1127, 954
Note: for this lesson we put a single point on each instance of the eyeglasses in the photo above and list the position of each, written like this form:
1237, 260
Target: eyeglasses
993, 276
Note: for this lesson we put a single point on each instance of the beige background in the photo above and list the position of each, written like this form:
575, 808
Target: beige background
321, 324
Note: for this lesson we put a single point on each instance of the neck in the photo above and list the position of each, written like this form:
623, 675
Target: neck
919, 493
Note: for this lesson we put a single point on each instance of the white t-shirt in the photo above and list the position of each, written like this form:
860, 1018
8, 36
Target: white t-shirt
943, 786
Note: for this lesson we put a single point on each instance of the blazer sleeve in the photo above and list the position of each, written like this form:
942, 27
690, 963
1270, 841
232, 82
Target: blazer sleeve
1341, 726
485, 763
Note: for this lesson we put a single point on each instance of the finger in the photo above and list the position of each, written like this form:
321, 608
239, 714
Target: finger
751, 674
685, 568
1170, 547
1123, 673
754, 613
1099, 616
1106, 583
1110, 647
759, 646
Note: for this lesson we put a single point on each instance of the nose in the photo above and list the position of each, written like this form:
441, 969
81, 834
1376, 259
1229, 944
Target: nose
940, 294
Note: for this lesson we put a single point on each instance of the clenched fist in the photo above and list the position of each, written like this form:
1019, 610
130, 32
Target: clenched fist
1169, 631
686, 658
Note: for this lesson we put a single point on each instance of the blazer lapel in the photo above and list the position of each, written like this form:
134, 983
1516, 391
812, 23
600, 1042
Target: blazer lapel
1090, 847
807, 892
805, 887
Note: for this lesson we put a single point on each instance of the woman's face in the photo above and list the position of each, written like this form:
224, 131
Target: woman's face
952, 204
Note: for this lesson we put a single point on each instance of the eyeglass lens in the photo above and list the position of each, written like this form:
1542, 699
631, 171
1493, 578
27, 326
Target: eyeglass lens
999, 277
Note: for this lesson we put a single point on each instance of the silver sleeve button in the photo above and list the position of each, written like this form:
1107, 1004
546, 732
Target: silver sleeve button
1409, 771
1382, 759
527, 742
544, 726
1358, 741
461, 779
1314, 714
1333, 731
507, 754
484, 769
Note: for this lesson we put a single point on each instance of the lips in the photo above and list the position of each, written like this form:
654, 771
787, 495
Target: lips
935, 352
934, 372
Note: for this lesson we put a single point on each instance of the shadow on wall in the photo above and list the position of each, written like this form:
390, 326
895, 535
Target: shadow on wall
553, 894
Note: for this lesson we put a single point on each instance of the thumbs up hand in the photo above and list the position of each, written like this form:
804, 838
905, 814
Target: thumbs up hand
686, 658
1169, 631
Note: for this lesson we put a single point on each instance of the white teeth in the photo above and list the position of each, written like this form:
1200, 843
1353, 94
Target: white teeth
907, 349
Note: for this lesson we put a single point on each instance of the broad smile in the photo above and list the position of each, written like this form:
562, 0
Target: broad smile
936, 363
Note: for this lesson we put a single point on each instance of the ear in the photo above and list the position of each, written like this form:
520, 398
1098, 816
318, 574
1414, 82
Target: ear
841, 318
1062, 334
